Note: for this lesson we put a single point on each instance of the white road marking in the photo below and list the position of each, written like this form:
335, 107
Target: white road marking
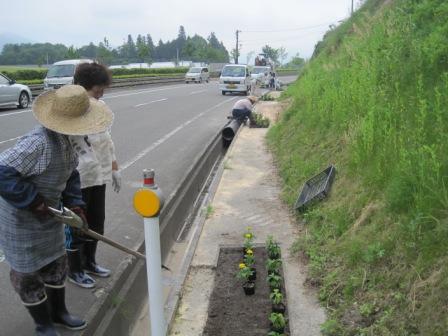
151, 102
4, 141
12, 113
195, 92
156, 144
143, 91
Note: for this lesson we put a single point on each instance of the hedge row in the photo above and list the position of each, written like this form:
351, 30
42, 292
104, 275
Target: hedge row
20, 75
26, 74
145, 71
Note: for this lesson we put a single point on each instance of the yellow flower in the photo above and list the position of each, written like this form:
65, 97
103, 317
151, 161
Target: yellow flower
248, 235
249, 252
242, 265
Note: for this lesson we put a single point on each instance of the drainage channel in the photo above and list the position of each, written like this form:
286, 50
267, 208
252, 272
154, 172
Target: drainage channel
119, 311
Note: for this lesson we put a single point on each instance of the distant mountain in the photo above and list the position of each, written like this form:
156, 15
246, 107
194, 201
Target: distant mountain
12, 38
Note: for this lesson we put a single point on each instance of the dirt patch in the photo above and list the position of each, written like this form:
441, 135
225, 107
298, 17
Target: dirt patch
231, 312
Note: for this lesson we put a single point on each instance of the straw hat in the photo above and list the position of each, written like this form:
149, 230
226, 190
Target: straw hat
70, 111
253, 99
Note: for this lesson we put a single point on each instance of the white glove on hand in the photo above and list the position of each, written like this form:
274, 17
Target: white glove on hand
116, 180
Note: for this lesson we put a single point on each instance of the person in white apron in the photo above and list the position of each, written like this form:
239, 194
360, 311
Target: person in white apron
97, 167
38, 172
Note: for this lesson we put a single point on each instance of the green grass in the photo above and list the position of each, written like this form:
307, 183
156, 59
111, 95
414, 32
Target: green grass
373, 102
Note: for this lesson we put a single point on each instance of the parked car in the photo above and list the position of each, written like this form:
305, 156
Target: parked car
12, 93
197, 75
61, 73
235, 78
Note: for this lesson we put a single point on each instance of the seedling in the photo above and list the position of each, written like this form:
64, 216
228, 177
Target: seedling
276, 297
249, 258
273, 265
278, 321
274, 280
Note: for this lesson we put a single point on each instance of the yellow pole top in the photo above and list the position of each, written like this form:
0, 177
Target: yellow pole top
146, 202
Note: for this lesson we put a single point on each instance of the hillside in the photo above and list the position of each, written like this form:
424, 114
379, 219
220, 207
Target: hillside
373, 101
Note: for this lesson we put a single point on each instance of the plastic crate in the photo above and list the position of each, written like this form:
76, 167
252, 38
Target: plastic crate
316, 188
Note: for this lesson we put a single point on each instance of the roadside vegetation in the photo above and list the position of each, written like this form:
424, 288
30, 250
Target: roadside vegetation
36, 76
373, 101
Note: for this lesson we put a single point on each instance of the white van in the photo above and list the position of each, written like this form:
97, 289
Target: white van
261, 74
197, 75
235, 78
61, 73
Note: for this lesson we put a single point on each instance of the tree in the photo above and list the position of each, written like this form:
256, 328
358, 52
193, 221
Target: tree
72, 53
282, 55
105, 54
181, 40
151, 46
296, 62
142, 49
271, 53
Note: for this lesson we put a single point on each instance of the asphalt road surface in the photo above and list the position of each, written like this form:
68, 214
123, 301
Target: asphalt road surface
163, 128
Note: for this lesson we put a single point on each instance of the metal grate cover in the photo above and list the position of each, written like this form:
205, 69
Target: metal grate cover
316, 188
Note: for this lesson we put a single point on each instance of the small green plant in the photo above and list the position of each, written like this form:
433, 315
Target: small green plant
272, 247
273, 265
276, 297
367, 309
260, 121
209, 211
274, 280
330, 328
244, 272
249, 259
278, 320
274, 333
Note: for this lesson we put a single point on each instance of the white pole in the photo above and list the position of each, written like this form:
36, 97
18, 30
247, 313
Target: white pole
154, 273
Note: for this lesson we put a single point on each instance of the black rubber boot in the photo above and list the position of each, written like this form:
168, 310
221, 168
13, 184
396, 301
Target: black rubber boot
59, 313
76, 274
90, 265
42, 318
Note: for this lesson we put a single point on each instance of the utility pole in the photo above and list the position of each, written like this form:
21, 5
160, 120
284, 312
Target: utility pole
237, 46
352, 7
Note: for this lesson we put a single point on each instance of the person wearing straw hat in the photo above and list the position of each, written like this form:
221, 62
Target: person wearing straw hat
97, 166
243, 108
39, 172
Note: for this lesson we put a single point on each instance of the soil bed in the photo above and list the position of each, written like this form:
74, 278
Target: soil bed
231, 312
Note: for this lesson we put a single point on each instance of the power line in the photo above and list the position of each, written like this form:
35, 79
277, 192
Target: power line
284, 30
252, 43
261, 40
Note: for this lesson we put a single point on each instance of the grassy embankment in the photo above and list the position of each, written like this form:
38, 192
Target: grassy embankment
374, 102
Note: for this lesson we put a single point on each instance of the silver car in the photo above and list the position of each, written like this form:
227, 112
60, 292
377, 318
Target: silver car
12, 93
197, 75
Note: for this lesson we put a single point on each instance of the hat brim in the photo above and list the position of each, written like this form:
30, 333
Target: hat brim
96, 120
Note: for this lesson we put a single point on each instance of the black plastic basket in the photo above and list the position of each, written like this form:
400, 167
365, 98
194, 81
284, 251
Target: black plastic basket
316, 188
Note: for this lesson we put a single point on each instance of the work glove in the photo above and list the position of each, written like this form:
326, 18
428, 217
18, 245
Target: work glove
78, 234
39, 208
116, 180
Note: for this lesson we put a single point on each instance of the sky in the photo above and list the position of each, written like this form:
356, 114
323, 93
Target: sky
296, 25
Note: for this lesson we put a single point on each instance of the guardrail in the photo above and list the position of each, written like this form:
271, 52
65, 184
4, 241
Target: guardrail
37, 89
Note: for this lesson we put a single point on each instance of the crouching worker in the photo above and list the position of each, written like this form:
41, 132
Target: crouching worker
243, 108
37, 173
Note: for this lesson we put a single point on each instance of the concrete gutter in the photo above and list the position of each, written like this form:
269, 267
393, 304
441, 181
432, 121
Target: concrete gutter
115, 313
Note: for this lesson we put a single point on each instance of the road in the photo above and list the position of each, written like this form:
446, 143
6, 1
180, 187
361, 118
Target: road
155, 127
